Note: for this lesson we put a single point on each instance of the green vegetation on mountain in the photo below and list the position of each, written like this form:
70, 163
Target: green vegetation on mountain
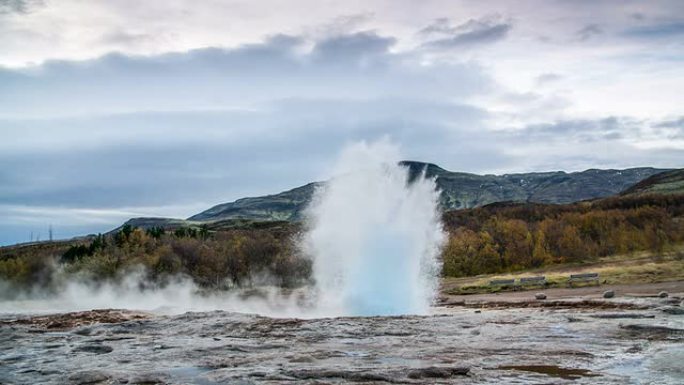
669, 182
286, 206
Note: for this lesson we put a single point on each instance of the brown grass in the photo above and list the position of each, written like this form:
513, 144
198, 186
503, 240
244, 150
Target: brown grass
634, 268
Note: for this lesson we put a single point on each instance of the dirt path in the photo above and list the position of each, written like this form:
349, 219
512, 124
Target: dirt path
674, 289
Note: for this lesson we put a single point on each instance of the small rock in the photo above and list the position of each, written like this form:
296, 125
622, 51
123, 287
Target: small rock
303, 359
436, 372
97, 349
663, 294
84, 331
162, 347
88, 377
478, 311
540, 296
673, 310
147, 379
608, 294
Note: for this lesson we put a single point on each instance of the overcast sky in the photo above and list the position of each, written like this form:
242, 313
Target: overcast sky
111, 109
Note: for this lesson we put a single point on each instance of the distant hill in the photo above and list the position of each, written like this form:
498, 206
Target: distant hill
668, 182
459, 191
286, 206
166, 223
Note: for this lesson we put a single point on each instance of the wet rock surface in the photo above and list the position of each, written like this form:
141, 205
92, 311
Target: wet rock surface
633, 343
75, 319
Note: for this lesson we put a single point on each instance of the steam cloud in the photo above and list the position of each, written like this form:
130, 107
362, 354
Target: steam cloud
374, 237
175, 297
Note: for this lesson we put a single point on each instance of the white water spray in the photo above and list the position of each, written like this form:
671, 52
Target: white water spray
374, 237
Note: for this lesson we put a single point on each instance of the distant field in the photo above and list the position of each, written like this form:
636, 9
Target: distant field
643, 267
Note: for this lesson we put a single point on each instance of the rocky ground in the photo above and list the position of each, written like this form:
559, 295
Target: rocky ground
576, 337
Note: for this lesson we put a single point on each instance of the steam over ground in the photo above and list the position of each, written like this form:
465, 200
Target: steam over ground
373, 238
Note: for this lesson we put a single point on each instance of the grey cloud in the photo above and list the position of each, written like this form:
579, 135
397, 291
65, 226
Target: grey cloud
354, 66
473, 32
343, 24
583, 130
195, 158
586, 143
439, 26
125, 37
606, 131
548, 78
675, 123
657, 30
589, 31
351, 48
672, 129
18, 6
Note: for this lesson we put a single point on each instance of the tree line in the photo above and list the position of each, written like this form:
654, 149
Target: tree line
496, 238
213, 259
506, 237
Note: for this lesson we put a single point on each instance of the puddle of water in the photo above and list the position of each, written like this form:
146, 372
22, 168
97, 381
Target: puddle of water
662, 365
630, 368
552, 370
670, 362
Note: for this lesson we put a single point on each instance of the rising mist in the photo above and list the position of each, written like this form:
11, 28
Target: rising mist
373, 236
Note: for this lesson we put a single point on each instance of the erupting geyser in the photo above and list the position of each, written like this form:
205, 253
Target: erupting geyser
373, 236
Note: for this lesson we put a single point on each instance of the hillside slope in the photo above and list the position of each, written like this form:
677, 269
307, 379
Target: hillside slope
669, 182
285, 206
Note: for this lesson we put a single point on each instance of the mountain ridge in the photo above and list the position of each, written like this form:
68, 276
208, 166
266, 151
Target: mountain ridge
459, 190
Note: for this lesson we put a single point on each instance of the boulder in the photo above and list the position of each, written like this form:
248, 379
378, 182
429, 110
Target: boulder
608, 294
540, 296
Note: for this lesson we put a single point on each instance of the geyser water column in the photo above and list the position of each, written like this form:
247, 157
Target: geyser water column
373, 236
